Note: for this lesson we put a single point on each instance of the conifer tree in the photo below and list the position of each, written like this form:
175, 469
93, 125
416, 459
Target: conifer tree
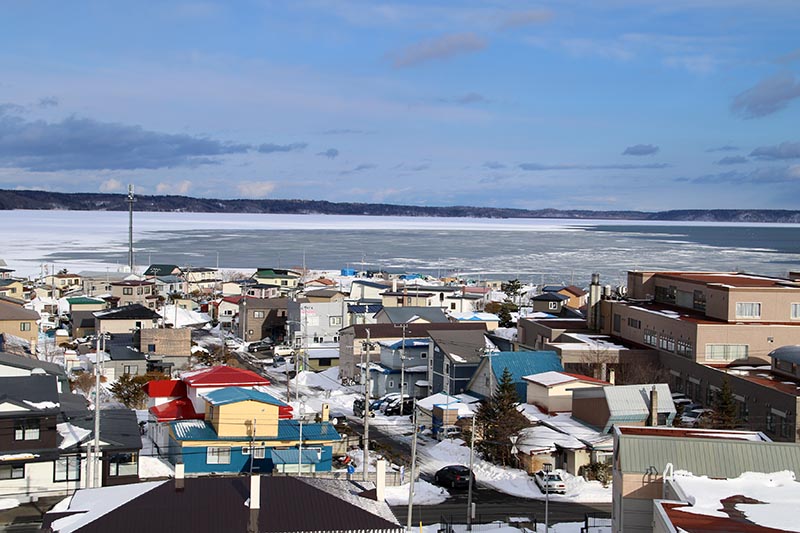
725, 416
499, 419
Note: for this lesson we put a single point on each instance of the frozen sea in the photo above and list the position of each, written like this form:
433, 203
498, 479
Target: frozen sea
537, 250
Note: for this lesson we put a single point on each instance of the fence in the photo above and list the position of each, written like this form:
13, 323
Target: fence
393, 478
488, 522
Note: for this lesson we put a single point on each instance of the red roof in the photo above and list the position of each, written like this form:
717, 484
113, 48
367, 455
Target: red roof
165, 388
581, 377
223, 376
180, 409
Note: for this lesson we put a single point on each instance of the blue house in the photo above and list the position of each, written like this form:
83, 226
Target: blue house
242, 429
520, 364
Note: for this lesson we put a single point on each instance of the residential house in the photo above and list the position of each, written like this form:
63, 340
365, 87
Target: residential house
19, 322
12, 365
646, 458
577, 296
263, 318
624, 405
551, 391
12, 288
549, 302
120, 356
166, 348
134, 291
410, 314
261, 290
68, 306
319, 283
324, 295
259, 504
200, 280
227, 309
64, 281
243, 431
236, 287
363, 289
288, 280
454, 357
464, 302
363, 313
94, 283
353, 347
322, 356
404, 359
708, 327
5, 272
313, 321
519, 364
126, 319
438, 410
418, 296
168, 285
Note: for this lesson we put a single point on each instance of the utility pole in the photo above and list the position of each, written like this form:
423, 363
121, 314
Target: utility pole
547, 468
471, 480
92, 464
367, 347
130, 200
413, 470
300, 445
252, 444
403, 367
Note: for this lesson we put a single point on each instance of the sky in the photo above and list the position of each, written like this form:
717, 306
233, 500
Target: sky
607, 105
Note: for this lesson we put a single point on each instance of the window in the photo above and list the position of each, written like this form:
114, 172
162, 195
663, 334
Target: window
218, 455
12, 472
617, 323
553, 306
151, 347
24, 326
423, 355
127, 291
666, 294
770, 420
138, 290
748, 310
245, 450
699, 300
390, 384
259, 453
634, 323
650, 337
67, 469
684, 347
452, 306
666, 343
26, 429
335, 321
795, 311
130, 369
258, 314
726, 352
123, 464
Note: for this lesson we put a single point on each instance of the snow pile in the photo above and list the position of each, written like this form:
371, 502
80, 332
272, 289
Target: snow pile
154, 467
8, 503
183, 317
71, 435
778, 493
424, 494
42, 405
508, 480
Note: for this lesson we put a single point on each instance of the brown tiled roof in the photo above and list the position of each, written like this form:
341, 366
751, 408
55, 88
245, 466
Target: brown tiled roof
685, 433
10, 311
726, 278
700, 523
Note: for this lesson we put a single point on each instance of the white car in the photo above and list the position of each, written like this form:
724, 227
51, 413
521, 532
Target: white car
552, 482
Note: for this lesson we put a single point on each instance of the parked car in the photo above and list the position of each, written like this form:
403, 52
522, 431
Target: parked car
358, 408
264, 345
380, 403
283, 350
448, 432
454, 476
552, 482
696, 417
393, 407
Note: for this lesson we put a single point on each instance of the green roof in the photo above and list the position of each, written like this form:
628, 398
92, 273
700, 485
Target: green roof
84, 300
712, 457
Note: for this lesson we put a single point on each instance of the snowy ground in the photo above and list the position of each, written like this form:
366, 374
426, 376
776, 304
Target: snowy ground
424, 494
566, 527
435, 455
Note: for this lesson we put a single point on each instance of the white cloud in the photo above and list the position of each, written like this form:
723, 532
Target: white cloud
256, 189
181, 187
111, 185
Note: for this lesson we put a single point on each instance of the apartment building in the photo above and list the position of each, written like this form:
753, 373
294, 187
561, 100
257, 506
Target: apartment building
710, 326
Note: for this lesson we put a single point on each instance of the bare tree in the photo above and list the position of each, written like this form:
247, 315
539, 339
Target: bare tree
597, 360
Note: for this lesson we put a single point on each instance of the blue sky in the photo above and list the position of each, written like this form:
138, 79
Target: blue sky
619, 104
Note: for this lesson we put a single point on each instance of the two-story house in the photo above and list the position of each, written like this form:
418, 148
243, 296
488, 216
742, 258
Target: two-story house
20, 322
243, 431
405, 361
287, 280
200, 280
454, 357
314, 321
126, 319
263, 318
134, 291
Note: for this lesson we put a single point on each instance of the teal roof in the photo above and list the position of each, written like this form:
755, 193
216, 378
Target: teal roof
239, 394
522, 364
292, 455
84, 300
288, 430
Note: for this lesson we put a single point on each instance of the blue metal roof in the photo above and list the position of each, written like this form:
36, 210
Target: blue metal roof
239, 394
364, 308
410, 343
291, 456
288, 430
524, 364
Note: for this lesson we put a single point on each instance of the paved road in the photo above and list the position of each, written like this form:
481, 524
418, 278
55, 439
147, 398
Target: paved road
492, 505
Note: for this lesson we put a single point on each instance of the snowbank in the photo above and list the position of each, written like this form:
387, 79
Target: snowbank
154, 467
10, 503
424, 494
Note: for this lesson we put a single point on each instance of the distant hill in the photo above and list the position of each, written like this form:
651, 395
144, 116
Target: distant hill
13, 199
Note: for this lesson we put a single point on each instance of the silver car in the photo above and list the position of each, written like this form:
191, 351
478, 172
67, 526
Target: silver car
552, 482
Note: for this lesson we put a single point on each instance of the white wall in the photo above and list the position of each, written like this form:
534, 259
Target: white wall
38, 481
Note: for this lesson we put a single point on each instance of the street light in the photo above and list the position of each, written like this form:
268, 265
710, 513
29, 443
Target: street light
547, 468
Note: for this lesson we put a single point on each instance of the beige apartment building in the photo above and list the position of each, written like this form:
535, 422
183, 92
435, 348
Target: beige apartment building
134, 291
709, 326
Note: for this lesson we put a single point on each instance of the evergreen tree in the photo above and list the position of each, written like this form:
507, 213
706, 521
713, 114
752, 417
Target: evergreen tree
506, 320
512, 288
725, 411
499, 419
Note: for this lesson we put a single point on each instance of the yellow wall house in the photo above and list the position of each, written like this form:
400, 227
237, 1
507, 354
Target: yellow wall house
247, 428
19, 322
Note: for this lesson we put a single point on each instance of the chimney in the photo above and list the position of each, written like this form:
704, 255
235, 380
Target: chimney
612, 376
380, 480
394, 285
255, 492
179, 477
593, 307
653, 407
326, 413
